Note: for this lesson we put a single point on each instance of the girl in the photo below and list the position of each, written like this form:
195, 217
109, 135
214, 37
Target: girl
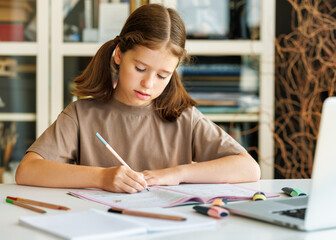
139, 106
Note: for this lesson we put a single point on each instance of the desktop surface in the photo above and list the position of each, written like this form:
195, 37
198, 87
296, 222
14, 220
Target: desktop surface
231, 227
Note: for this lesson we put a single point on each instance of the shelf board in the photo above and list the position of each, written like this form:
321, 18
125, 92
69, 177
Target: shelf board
18, 48
223, 47
80, 49
239, 117
194, 47
18, 117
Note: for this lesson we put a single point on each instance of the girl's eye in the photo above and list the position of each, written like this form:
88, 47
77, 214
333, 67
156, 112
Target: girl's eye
140, 69
161, 77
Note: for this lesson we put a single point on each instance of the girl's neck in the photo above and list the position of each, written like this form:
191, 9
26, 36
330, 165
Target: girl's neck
139, 110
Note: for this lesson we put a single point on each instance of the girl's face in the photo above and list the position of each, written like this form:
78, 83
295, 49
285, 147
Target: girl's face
143, 74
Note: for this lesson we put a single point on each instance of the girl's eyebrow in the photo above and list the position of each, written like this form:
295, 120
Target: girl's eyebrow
138, 61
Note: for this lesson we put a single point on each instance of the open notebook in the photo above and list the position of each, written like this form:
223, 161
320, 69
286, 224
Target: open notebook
159, 196
97, 224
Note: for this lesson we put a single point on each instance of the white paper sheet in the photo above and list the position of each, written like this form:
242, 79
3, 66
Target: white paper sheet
97, 224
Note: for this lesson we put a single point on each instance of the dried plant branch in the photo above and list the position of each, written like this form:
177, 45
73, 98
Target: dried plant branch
305, 76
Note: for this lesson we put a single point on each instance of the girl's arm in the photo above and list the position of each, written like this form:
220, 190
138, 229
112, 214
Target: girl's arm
231, 169
36, 171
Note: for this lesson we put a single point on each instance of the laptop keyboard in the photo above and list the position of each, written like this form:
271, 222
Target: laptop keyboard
297, 213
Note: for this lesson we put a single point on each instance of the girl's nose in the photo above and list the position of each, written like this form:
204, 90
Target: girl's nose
148, 81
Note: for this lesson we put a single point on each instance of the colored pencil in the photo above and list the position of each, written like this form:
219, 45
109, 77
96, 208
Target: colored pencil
38, 203
147, 214
114, 152
35, 209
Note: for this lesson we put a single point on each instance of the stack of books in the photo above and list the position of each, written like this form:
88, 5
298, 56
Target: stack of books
14, 15
218, 88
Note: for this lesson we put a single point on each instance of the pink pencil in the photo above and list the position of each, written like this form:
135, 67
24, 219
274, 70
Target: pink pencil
113, 152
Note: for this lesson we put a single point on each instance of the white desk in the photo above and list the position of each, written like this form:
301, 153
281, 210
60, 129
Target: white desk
232, 227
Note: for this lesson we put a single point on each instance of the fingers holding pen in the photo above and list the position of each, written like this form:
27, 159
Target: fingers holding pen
122, 179
138, 180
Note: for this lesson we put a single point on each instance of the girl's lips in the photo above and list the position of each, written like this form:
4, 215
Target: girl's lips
141, 95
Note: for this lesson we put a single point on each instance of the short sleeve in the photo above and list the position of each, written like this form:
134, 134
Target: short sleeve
59, 142
212, 142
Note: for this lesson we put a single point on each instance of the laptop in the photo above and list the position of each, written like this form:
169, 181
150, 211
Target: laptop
307, 213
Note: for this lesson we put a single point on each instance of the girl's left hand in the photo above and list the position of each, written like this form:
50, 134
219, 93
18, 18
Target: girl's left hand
167, 176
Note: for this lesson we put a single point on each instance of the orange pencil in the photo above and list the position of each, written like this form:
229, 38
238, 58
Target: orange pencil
35, 209
38, 203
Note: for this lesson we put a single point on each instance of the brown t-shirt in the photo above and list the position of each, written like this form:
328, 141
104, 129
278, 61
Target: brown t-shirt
137, 134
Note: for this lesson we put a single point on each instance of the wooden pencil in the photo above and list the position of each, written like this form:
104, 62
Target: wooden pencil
38, 203
147, 214
23, 205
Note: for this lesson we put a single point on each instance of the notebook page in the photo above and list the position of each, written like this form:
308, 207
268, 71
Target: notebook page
83, 225
211, 191
146, 199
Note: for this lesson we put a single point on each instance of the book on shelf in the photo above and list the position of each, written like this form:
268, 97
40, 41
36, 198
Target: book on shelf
215, 69
15, 11
224, 102
215, 98
221, 109
213, 109
220, 77
202, 84
208, 86
214, 78
205, 102
11, 32
14, 16
168, 196
210, 89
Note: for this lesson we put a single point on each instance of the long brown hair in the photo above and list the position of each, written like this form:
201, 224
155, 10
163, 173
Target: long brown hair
151, 26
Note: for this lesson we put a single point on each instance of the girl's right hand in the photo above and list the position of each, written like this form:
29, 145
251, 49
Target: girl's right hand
122, 179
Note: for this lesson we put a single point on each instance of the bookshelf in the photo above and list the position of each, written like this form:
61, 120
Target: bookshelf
63, 52
24, 74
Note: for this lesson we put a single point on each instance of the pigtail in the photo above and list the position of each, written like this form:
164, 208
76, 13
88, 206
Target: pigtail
97, 79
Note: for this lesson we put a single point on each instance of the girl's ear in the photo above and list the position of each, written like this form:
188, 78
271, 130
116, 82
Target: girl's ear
117, 55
